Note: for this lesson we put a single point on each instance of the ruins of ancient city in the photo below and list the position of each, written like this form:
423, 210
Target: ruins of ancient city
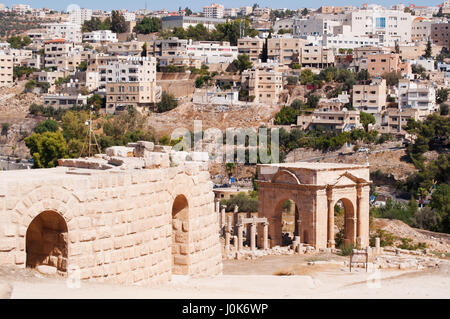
205, 151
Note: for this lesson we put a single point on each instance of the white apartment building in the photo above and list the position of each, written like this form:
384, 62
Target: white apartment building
21, 8
343, 41
71, 32
133, 69
231, 12
78, 15
100, 36
6, 69
318, 25
416, 95
129, 16
214, 10
388, 25
212, 52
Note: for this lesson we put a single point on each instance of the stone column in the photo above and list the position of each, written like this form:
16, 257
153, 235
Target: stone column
217, 205
377, 246
331, 242
253, 236
228, 234
266, 236
223, 219
235, 242
357, 224
240, 235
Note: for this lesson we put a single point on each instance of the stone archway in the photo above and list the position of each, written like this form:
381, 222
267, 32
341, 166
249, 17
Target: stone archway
349, 221
47, 241
180, 236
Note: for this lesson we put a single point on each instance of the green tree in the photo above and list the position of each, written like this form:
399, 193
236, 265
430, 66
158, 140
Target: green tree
242, 63
148, 25
167, 103
47, 126
17, 42
366, 119
428, 50
440, 201
313, 101
391, 78
442, 95
46, 148
443, 109
118, 23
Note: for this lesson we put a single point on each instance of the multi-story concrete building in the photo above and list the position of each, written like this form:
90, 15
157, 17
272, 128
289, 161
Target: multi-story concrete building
100, 36
284, 49
21, 8
252, 47
71, 32
185, 21
20, 55
48, 77
264, 82
231, 12
416, 95
6, 69
246, 10
421, 29
122, 94
167, 47
370, 98
284, 24
78, 15
342, 41
378, 64
318, 25
330, 118
214, 11
389, 26
64, 100
316, 57
131, 48
133, 69
56, 50
394, 120
211, 52
440, 34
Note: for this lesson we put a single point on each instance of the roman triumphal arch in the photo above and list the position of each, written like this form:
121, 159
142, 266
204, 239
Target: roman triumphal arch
315, 188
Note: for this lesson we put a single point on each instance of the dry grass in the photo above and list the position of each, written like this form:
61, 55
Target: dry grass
306, 270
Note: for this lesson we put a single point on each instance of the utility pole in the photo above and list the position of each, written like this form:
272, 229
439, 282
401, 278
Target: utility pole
90, 135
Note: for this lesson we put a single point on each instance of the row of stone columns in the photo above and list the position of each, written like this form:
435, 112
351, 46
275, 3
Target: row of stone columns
239, 239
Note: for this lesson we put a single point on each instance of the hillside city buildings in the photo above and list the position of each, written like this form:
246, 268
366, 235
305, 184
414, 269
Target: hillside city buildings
131, 69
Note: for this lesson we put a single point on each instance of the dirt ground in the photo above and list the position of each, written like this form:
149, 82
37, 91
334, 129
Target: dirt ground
253, 279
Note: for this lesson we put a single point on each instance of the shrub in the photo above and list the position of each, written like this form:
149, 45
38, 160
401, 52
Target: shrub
346, 250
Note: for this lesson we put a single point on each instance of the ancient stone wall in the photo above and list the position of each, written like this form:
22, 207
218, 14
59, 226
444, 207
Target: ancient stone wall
119, 221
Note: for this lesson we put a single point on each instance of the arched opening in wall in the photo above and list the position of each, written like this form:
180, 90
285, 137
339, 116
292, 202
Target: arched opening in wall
47, 241
180, 236
285, 226
344, 223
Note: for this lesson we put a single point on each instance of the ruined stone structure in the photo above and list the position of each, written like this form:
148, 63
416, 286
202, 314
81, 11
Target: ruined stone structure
135, 215
315, 188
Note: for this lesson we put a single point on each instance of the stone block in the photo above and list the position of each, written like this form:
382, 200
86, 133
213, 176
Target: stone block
120, 151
